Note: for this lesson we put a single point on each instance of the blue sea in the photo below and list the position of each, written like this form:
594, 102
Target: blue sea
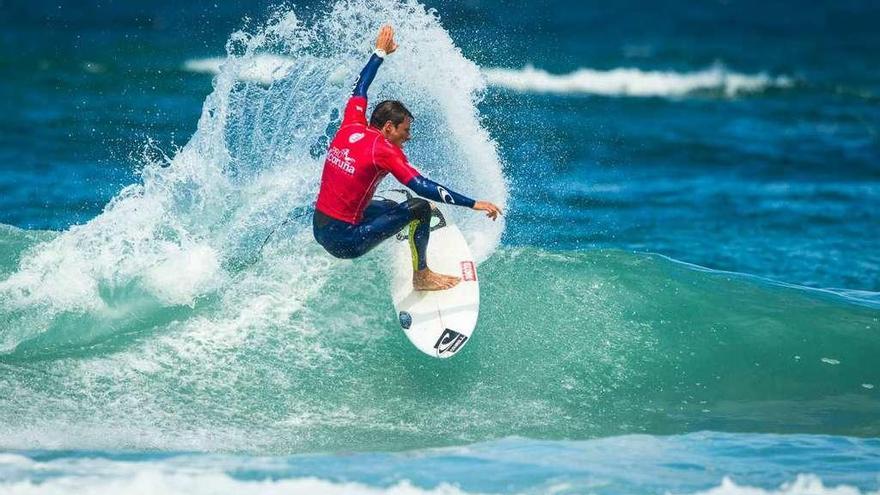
683, 296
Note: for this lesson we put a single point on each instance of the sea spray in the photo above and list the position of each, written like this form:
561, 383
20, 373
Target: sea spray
177, 237
151, 324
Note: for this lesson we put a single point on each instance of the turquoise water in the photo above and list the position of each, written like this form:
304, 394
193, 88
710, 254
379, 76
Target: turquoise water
710, 463
682, 297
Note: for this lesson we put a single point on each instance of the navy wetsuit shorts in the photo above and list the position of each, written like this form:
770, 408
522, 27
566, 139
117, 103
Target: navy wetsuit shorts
382, 219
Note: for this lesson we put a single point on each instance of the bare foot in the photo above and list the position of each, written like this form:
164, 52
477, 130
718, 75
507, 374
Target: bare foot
428, 280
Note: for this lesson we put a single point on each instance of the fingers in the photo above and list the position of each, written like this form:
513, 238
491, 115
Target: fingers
385, 39
494, 211
491, 210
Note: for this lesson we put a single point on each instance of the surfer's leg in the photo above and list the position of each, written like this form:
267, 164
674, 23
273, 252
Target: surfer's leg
419, 231
384, 219
419, 234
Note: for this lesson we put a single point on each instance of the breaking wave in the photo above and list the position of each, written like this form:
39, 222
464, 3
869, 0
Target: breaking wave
635, 82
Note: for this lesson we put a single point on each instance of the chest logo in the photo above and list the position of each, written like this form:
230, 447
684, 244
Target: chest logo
340, 158
357, 136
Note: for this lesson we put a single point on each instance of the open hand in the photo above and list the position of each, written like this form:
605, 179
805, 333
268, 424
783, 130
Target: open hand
491, 210
385, 40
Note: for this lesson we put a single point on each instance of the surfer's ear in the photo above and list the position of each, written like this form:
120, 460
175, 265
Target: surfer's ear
387, 127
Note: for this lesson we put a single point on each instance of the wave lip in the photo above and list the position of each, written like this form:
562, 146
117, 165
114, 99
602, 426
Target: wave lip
627, 81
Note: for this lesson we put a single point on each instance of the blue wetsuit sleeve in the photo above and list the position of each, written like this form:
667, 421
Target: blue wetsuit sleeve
366, 76
429, 189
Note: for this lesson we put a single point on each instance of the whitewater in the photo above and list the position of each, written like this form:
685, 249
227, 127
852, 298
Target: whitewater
161, 347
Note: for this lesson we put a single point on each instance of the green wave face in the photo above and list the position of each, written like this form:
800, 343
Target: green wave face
569, 345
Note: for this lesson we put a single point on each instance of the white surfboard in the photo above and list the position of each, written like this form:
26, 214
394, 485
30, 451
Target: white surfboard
438, 323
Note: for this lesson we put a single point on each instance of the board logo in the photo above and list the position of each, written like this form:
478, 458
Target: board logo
468, 271
450, 341
405, 320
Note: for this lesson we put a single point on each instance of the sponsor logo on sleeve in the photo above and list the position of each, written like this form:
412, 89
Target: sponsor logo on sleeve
451, 341
357, 136
445, 196
468, 271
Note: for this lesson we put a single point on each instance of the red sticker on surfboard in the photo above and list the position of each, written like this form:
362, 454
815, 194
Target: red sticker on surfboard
468, 271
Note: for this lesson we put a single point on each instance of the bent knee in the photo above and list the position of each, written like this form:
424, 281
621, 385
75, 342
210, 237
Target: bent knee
419, 209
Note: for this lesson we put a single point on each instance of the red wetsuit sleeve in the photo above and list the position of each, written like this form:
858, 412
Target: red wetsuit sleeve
392, 159
355, 111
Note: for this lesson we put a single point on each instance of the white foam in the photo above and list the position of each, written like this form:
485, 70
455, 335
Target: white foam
152, 480
185, 476
626, 81
804, 484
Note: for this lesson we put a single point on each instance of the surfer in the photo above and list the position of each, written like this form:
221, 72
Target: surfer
348, 222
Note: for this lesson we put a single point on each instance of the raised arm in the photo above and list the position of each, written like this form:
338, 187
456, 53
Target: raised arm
384, 45
368, 74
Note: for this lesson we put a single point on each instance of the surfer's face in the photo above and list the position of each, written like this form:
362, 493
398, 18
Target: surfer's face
397, 134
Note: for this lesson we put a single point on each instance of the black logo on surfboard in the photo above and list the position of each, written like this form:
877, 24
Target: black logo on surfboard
450, 342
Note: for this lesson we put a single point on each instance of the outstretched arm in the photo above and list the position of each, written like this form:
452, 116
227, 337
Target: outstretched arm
429, 189
384, 45
394, 161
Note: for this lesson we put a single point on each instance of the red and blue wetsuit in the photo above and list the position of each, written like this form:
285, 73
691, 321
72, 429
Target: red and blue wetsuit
348, 222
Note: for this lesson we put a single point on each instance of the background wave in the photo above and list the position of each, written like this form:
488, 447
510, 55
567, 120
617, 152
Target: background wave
627, 81
624, 81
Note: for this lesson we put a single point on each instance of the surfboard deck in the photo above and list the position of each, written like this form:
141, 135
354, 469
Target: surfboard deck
438, 323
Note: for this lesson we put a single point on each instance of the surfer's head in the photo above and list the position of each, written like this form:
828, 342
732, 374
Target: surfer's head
393, 120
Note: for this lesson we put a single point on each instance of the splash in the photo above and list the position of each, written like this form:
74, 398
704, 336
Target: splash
179, 239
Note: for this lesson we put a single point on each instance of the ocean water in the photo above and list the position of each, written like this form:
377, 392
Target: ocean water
683, 296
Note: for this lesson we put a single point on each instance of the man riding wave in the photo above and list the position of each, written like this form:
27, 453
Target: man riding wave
348, 222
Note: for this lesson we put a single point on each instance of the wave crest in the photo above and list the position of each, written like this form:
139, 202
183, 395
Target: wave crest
635, 82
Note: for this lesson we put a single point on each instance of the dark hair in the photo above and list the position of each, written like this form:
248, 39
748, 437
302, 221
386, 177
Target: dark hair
389, 110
